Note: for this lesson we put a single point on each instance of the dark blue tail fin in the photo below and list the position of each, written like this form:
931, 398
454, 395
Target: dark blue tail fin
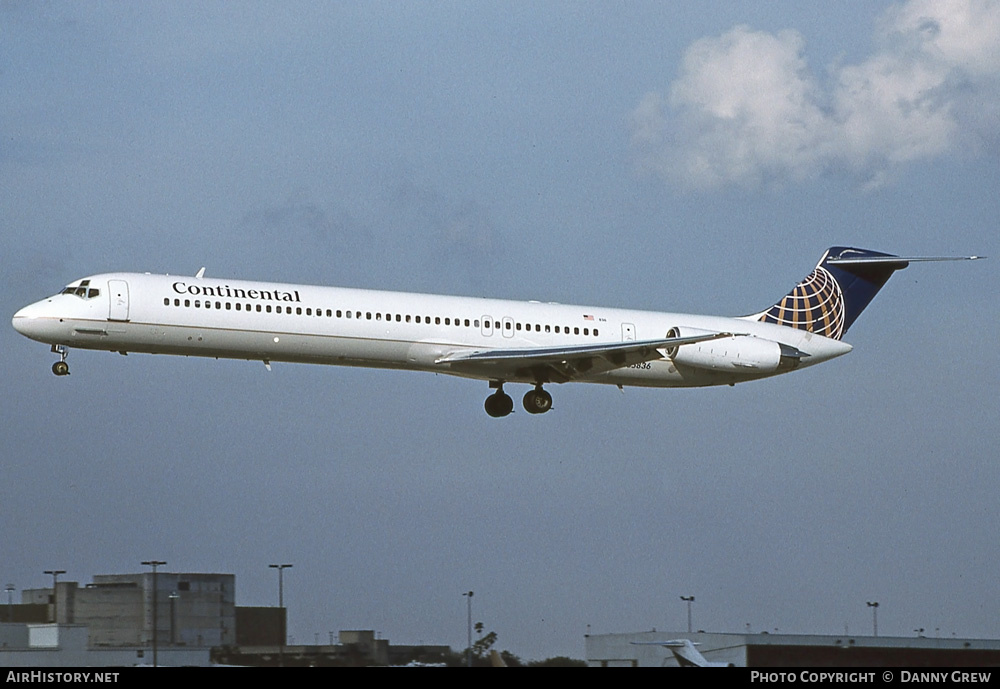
831, 298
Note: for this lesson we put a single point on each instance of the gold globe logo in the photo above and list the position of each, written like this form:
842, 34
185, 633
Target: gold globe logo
816, 304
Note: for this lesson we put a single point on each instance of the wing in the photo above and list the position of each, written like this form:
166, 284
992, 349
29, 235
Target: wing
562, 364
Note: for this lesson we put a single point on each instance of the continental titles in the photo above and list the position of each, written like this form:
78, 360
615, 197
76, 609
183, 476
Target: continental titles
235, 292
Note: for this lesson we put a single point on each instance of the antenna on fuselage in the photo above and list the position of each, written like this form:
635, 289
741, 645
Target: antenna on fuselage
201, 273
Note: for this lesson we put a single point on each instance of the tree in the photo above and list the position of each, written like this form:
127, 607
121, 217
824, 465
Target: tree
558, 661
482, 646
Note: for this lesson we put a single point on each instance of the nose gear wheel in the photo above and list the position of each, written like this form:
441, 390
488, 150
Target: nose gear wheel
60, 368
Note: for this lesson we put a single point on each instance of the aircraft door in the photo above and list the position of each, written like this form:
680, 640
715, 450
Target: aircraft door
628, 332
487, 325
508, 326
118, 294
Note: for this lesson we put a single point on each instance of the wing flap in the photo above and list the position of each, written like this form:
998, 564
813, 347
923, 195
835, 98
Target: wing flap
563, 364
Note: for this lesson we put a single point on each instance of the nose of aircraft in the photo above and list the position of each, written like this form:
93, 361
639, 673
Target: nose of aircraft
20, 320
28, 320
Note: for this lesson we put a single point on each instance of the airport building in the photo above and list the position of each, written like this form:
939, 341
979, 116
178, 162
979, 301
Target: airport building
355, 648
189, 618
193, 610
66, 645
657, 649
118, 619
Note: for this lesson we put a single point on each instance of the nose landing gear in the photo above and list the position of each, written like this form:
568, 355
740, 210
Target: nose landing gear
60, 368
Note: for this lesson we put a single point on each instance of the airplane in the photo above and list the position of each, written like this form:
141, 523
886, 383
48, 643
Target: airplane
685, 653
495, 340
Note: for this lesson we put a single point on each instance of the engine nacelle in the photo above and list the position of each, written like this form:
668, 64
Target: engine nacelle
736, 354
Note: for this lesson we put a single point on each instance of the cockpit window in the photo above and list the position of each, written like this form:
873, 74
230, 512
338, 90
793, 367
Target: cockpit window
82, 290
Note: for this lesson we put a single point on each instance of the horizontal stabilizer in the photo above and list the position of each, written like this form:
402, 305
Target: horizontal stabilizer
893, 260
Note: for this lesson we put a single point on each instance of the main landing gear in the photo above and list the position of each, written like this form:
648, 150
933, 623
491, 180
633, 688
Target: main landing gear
537, 401
499, 404
60, 368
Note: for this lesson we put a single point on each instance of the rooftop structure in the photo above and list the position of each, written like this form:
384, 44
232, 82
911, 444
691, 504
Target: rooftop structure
644, 649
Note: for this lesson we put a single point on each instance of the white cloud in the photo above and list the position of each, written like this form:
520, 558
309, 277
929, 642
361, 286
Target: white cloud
959, 34
746, 109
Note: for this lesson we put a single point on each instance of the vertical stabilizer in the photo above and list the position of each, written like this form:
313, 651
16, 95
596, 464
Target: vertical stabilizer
831, 298
684, 652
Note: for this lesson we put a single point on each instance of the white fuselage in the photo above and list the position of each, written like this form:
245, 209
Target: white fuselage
209, 317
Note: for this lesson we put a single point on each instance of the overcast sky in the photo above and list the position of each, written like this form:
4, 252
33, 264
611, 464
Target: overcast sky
690, 156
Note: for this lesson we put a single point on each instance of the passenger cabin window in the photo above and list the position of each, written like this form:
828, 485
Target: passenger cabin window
509, 325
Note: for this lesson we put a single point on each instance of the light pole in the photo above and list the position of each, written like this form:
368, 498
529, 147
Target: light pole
173, 614
284, 616
10, 601
55, 578
874, 606
689, 600
468, 652
154, 564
